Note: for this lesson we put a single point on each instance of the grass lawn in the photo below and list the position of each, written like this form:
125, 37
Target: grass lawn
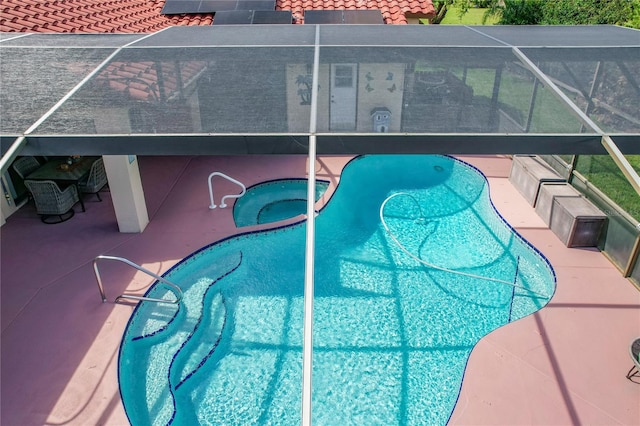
602, 172
549, 115
472, 17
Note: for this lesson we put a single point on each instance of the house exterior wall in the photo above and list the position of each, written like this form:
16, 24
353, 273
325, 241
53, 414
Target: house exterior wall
379, 85
298, 97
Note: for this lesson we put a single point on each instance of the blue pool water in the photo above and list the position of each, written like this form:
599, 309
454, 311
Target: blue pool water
272, 201
391, 335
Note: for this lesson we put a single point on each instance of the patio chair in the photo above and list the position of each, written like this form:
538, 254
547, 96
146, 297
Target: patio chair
634, 351
51, 201
25, 165
96, 180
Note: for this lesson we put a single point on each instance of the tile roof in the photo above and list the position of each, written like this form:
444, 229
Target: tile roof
393, 11
150, 81
144, 16
91, 16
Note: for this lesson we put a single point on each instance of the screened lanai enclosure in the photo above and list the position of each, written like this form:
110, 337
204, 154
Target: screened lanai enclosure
561, 93
250, 89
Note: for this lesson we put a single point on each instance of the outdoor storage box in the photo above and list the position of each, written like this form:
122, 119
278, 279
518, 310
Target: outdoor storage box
576, 221
547, 193
528, 172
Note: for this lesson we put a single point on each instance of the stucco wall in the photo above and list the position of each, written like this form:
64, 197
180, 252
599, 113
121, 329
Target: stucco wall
379, 85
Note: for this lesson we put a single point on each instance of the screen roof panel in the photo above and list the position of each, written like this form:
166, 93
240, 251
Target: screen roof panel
189, 90
602, 82
237, 35
72, 40
8, 36
562, 36
35, 79
409, 35
434, 90
248, 83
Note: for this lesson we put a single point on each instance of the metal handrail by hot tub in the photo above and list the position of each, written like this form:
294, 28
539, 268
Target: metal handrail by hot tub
230, 179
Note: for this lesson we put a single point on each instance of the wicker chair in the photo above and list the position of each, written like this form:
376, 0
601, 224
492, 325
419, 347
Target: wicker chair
96, 180
634, 351
51, 201
25, 165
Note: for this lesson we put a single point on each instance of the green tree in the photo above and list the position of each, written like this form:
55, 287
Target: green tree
588, 12
519, 12
567, 12
443, 6
634, 19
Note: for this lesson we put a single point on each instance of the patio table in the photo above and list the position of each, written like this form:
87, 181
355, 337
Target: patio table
56, 171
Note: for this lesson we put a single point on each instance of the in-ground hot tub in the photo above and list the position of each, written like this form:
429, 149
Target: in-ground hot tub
273, 201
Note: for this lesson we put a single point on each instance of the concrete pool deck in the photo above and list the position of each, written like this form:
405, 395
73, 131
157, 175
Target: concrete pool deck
566, 364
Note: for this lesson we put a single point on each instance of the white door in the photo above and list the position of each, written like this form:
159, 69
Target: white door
343, 97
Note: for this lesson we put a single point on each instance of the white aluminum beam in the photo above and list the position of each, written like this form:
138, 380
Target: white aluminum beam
307, 343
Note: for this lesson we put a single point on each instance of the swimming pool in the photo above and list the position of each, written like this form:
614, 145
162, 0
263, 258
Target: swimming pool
275, 200
391, 335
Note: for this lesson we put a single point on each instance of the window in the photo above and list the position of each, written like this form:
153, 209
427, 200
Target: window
343, 76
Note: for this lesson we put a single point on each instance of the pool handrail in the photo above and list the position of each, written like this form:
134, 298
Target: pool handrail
440, 268
230, 179
177, 290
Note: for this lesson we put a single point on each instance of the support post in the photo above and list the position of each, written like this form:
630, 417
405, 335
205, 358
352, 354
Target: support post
126, 192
